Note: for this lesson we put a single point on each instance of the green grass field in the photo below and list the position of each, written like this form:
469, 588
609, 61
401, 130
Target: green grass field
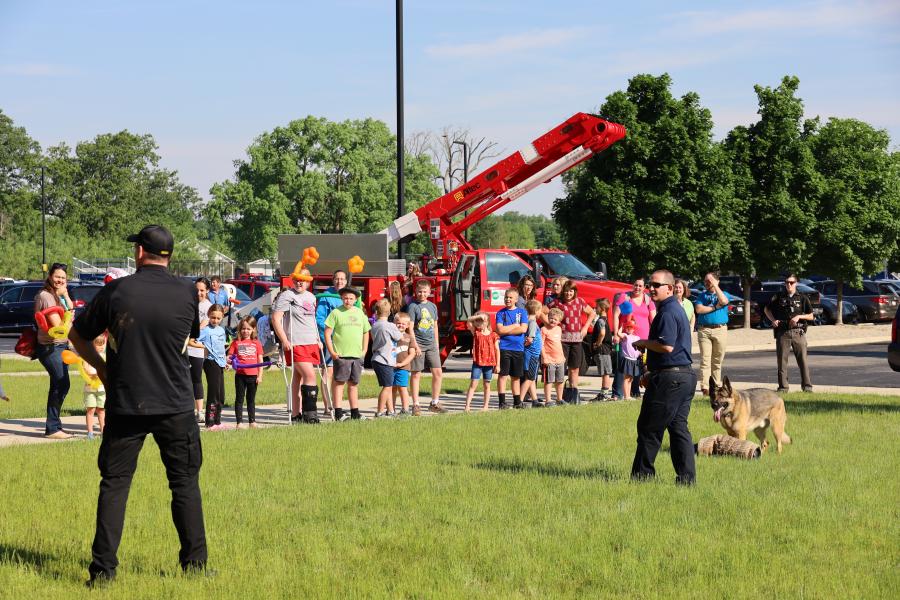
520, 504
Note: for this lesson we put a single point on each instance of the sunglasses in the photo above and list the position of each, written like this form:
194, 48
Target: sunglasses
791, 282
658, 284
56, 266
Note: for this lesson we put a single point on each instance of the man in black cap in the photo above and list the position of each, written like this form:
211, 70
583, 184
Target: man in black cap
149, 317
670, 383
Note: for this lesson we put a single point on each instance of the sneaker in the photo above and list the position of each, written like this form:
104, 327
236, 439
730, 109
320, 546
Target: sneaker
808, 389
404, 413
781, 391
361, 417
538, 404
99, 581
344, 417
295, 418
253, 425
551, 404
90, 435
437, 407
504, 406
381, 414
416, 410
59, 435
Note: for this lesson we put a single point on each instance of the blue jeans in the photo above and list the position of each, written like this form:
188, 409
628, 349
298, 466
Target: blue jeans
50, 356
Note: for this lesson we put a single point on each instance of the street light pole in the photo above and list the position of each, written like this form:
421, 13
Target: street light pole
465, 147
43, 225
401, 209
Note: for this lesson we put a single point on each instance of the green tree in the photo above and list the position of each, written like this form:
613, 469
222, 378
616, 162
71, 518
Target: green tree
315, 176
110, 184
858, 218
495, 231
660, 198
20, 159
776, 186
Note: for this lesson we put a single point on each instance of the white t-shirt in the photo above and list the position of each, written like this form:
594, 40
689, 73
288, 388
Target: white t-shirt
202, 310
299, 316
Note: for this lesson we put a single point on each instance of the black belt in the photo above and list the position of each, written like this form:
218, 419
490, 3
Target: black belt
678, 368
712, 326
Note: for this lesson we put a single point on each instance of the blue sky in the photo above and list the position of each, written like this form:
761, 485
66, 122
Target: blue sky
205, 78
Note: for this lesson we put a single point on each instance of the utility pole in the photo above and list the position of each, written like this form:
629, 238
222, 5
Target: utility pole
401, 208
43, 226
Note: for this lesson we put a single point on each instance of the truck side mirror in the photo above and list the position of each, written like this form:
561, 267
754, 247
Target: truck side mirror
538, 274
601, 269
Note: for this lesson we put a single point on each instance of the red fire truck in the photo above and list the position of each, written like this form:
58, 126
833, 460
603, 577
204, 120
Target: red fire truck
465, 279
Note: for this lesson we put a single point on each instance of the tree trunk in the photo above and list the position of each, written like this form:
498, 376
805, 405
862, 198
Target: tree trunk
745, 285
839, 317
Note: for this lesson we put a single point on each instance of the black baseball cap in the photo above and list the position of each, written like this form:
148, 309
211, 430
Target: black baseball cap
348, 290
155, 239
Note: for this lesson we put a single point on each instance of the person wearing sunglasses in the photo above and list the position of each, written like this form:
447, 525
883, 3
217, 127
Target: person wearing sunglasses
670, 382
790, 312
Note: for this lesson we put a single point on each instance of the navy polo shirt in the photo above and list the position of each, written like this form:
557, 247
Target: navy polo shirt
670, 327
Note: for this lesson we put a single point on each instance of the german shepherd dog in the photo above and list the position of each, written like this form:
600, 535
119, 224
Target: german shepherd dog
754, 409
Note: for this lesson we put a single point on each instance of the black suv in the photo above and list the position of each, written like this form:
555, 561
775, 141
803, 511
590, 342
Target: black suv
17, 302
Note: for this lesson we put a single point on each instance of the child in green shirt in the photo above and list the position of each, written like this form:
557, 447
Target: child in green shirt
347, 339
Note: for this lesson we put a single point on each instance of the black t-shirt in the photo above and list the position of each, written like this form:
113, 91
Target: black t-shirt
783, 307
670, 327
150, 316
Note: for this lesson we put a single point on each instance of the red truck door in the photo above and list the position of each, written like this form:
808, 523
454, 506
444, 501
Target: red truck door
500, 270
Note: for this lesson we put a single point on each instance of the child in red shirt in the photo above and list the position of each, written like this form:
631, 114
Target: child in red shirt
485, 356
246, 350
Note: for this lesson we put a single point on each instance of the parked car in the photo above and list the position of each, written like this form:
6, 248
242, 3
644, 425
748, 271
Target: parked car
894, 347
254, 287
17, 302
829, 314
876, 301
735, 306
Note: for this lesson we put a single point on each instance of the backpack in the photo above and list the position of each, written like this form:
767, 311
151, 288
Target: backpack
27, 343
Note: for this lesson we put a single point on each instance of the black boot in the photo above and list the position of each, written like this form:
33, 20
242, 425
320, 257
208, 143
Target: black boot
308, 399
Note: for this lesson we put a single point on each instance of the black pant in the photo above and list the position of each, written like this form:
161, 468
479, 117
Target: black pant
666, 405
215, 392
178, 438
244, 383
197, 375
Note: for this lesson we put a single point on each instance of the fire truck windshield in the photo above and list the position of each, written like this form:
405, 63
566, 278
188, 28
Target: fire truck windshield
562, 263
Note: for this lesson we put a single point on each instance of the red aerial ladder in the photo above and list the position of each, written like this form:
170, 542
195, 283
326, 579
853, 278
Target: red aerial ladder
577, 139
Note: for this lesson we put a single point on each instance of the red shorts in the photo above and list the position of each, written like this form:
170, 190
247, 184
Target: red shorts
305, 354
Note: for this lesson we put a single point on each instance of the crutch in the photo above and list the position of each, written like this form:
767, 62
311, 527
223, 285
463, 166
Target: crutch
287, 384
326, 385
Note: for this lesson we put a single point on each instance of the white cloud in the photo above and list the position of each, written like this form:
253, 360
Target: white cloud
508, 44
813, 16
37, 70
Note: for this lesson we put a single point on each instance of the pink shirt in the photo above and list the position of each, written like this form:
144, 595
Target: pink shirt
641, 315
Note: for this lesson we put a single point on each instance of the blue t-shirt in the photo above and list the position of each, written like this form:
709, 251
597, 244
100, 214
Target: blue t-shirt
670, 327
220, 297
213, 339
534, 350
716, 317
512, 316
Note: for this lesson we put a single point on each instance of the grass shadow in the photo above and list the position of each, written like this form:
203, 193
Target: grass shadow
547, 469
799, 407
41, 562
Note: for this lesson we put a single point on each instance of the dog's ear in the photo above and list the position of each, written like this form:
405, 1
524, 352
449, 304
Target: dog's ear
712, 387
726, 384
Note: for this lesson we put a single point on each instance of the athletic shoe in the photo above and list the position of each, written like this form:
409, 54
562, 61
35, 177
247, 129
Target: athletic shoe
344, 417
551, 404
404, 413
808, 389
59, 435
295, 418
90, 435
100, 581
537, 404
381, 414
781, 391
437, 407
254, 426
416, 410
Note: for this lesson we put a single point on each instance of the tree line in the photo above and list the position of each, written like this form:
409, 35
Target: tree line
785, 193
782, 193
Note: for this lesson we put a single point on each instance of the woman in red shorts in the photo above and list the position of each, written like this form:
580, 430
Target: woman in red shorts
294, 322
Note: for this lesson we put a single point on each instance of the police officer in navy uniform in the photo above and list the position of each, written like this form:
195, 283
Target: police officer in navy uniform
670, 383
790, 313
149, 316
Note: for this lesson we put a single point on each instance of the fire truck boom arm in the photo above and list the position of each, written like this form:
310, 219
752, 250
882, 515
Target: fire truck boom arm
555, 152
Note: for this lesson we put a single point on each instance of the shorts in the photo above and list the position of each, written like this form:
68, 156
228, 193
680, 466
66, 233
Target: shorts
426, 359
384, 373
348, 369
95, 400
532, 366
555, 373
574, 354
604, 363
512, 362
308, 353
478, 371
401, 378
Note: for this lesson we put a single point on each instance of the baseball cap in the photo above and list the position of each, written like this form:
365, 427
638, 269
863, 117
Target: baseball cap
348, 290
155, 239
